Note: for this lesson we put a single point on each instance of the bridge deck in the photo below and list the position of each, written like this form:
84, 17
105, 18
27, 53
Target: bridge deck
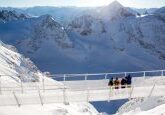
60, 96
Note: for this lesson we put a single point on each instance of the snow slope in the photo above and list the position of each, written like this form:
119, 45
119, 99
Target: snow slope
159, 110
14, 64
16, 69
50, 109
148, 105
143, 106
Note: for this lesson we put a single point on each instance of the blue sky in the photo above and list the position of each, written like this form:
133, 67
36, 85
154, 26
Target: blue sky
81, 3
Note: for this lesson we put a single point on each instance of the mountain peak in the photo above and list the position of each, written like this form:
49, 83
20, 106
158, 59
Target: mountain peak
48, 21
115, 4
114, 11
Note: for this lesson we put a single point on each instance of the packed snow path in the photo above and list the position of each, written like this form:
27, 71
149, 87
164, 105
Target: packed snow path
45, 92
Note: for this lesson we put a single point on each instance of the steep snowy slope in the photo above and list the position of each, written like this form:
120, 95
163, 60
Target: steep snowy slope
14, 64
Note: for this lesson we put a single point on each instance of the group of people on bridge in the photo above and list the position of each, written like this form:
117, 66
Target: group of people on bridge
124, 82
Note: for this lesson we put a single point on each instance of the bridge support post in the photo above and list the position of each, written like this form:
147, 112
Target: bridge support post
144, 74
16, 99
125, 73
110, 93
86, 83
105, 76
131, 92
43, 83
22, 87
40, 97
152, 90
64, 96
64, 78
86, 77
162, 74
87, 95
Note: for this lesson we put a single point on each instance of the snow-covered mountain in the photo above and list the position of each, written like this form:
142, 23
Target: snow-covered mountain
123, 32
58, 13
87, 24
63, 17
35, 31
111, 38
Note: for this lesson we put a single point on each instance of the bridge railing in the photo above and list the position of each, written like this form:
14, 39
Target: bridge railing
96, 76
43, 87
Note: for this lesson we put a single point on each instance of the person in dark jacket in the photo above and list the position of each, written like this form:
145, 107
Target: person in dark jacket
123, 83
117, 83
129, 80
111, 82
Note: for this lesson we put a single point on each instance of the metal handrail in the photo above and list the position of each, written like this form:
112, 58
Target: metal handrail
90, 74
68, 75
105, 74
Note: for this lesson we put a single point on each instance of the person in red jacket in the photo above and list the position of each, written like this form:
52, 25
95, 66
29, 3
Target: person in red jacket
117, 83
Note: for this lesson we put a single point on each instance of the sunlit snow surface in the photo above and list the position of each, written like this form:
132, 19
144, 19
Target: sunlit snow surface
159, 110
50, 109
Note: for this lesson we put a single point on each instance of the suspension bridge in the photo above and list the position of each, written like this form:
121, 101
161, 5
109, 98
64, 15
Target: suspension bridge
80, 88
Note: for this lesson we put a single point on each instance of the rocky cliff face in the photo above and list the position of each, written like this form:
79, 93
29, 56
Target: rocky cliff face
6, 16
